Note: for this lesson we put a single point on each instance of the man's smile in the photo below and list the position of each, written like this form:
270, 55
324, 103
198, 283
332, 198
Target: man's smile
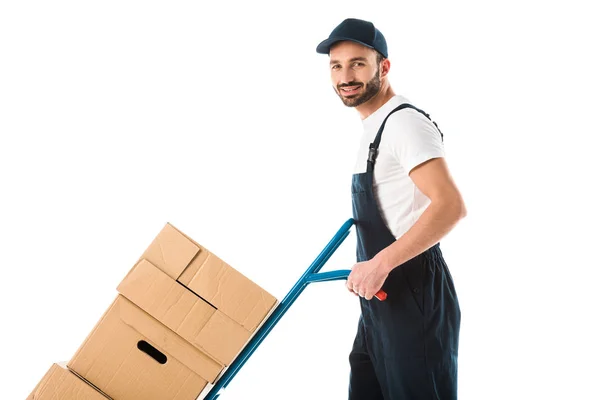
349, 90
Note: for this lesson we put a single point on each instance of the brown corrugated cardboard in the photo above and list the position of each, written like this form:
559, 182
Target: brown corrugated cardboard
171, 251
131, 355
61, 384
184, 312
210, 277
229, 291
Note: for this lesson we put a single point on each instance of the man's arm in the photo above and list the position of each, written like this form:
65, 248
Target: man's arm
445, 210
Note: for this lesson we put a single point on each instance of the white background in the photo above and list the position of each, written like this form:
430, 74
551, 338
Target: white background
118, 116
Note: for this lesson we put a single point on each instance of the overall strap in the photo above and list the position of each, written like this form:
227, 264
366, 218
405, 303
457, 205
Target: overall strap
374, 147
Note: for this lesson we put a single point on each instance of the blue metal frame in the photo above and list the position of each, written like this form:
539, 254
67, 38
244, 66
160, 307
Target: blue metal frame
310, 276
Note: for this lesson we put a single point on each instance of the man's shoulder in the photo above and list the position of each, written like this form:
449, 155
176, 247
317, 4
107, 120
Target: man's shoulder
408, 118
409, 126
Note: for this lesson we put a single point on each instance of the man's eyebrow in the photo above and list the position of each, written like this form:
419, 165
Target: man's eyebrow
351, 60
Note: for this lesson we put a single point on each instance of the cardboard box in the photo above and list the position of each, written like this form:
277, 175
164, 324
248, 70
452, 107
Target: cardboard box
131, 355
210, 277
178, 308
61, 384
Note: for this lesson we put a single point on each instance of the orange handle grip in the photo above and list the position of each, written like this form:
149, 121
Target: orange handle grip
381, 295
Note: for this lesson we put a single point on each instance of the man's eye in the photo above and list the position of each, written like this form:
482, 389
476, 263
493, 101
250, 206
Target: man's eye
357, 64
335, 67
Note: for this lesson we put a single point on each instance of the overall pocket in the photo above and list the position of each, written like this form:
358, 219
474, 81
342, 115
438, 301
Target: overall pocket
414, 274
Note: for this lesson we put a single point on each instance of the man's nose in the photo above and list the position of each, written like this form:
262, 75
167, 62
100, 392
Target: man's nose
347, 76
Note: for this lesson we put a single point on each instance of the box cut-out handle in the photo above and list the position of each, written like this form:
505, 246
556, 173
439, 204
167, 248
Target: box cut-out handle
152, 351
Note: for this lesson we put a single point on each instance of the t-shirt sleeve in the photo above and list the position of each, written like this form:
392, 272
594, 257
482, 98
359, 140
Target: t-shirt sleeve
413, 138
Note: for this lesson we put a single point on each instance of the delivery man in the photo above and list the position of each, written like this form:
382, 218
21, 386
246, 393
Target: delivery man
404, 201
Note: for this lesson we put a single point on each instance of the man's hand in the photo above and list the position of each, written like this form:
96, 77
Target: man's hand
367, 278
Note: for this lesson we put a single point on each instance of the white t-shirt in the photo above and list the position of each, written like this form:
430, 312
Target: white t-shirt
408, 139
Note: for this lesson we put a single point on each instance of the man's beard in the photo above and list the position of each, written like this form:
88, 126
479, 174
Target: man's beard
371, 89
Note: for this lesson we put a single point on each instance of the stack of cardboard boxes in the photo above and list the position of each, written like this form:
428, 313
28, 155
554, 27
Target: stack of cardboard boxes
181, 317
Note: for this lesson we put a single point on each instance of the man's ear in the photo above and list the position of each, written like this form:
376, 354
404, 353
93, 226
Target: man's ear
385, 67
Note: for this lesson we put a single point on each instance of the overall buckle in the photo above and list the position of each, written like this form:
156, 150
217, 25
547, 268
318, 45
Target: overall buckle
372, 153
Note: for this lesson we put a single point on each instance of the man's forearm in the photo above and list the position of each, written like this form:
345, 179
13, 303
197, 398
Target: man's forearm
436, 222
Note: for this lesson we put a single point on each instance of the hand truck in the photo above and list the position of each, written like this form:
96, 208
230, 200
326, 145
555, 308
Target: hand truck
310, 276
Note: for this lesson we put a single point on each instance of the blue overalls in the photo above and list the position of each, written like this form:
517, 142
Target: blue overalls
406, 347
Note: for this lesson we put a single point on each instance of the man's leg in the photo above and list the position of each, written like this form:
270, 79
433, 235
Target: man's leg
421, 379
419, 325
363, 381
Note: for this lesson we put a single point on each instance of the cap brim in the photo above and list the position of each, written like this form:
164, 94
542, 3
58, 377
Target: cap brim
325, 45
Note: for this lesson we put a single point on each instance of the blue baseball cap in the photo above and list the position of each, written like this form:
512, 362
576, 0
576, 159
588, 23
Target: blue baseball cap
355, 30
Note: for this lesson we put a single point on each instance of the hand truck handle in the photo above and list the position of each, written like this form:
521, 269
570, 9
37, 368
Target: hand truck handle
381, 295
336, 276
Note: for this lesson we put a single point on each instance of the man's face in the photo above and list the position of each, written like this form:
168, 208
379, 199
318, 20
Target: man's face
354, 72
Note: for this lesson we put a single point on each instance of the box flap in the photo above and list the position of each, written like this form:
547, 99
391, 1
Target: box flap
229, 291
171, 251
163, 297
